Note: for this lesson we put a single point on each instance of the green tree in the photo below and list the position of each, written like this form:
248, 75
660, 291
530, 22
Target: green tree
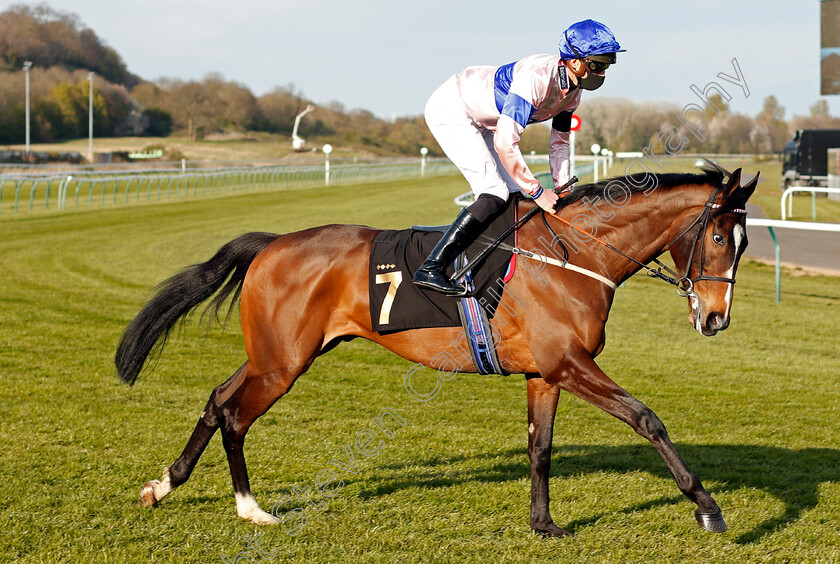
729, 133
73, 104
232, 104
159, 122
46, 117
189, 105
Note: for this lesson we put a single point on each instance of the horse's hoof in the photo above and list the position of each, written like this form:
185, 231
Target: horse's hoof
262, 518
712, 522
147, 493
552, 530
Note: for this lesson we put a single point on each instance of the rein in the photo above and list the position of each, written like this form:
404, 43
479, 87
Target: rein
653, 273
683, 284
495, 244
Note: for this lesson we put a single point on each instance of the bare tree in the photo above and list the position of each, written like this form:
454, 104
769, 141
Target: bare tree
232, 104
770, 131
278, 109
819, 118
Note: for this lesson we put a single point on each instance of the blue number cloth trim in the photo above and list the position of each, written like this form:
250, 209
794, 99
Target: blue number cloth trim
479, 334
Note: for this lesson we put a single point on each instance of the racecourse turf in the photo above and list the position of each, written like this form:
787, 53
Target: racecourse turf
754, 411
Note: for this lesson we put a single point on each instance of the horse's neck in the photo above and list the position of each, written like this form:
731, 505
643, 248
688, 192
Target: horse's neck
641, 229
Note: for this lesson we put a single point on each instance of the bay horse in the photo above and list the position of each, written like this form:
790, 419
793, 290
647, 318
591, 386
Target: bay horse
302, 293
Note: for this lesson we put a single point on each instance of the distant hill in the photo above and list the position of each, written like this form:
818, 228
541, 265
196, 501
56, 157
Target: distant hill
50, 38
63, 50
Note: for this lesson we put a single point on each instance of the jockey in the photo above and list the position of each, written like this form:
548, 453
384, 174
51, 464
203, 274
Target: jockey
478, 116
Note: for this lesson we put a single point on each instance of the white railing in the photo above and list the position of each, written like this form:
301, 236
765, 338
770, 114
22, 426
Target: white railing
787, 224
786, 195
91, 189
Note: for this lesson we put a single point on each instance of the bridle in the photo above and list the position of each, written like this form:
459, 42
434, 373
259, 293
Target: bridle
683, 283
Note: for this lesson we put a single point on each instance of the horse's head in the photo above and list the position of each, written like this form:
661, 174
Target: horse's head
706, 250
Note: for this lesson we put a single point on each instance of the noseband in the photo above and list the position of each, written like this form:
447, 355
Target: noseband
684, 284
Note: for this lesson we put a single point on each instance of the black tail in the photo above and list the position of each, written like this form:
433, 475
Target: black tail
181, 294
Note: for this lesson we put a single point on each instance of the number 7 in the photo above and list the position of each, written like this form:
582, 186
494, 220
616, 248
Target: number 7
394, 279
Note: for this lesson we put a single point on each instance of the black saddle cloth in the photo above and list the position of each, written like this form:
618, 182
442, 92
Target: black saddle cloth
397, 254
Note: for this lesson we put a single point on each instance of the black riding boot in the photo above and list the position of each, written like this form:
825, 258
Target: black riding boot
432, 274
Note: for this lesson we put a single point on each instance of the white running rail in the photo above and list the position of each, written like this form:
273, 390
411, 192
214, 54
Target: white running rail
786, 195
787, 224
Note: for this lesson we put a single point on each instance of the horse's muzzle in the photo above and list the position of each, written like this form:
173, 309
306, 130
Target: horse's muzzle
714, 323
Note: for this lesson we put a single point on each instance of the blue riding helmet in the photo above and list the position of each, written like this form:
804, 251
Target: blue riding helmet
586, 39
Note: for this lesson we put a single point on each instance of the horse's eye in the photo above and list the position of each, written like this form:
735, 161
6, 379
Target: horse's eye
719, 239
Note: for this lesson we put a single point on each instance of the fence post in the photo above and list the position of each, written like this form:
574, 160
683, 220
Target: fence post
778, 265
32, 195
18, 186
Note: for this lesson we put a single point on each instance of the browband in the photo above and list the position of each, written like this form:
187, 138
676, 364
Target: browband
733, 210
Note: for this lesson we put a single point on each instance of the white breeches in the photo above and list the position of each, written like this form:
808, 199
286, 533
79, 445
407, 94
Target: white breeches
468, 145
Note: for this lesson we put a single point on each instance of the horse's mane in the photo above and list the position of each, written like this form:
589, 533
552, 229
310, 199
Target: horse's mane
640, 182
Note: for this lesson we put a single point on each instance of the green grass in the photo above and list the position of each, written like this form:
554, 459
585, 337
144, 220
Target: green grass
754, 412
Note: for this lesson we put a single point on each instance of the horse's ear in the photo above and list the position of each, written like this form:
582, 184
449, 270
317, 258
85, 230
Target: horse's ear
714, 166
734, 182
749, 187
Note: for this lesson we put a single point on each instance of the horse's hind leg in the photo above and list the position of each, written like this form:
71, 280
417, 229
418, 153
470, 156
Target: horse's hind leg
180, 470
583, 378
253, 397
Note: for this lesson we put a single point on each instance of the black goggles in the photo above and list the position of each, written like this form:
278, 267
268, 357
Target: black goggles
594, 65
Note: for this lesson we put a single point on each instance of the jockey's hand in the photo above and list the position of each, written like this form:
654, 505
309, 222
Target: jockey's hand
547, 201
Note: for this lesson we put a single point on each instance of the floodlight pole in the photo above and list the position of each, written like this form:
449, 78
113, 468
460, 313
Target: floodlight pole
90, 119
26, 66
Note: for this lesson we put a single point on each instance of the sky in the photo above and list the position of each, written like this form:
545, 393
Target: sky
388, 56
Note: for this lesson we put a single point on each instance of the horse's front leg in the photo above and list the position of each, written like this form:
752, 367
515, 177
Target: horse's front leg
580, 376
542, 405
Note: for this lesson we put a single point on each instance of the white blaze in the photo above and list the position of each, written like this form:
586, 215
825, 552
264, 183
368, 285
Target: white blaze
738, 237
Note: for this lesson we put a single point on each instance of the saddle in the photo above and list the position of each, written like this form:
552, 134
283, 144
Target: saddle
398, 305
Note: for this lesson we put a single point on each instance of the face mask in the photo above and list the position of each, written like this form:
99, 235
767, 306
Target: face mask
591, 81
